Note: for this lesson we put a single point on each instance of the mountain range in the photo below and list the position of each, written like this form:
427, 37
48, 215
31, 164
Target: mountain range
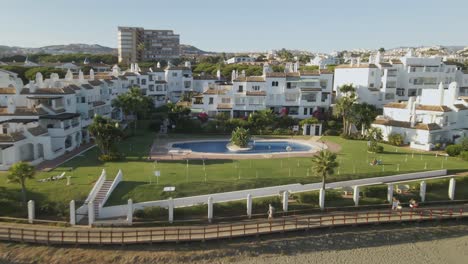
82, 48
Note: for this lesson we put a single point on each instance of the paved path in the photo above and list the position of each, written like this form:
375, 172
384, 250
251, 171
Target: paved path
121, 210
58, 235
49, 165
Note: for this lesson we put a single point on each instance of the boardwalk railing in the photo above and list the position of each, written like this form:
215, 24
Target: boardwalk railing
44, 235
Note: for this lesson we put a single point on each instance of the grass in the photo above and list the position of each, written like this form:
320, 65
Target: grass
214, 175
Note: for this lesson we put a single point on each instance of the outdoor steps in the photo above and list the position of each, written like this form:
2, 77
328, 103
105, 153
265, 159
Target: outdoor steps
100, 196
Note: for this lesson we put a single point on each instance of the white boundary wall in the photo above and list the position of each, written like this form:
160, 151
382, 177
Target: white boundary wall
121, 210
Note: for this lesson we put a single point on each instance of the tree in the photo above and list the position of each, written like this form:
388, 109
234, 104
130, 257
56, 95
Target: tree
382, 49
324, 163
240, 137
134, 102
374, 135
107, 134
261, 120
343, 106
46, 72
19, 173
363, 114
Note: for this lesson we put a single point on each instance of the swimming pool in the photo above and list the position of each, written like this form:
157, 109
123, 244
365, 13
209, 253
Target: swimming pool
258, 146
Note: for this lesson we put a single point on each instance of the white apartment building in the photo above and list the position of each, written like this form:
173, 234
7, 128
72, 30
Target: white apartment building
294, 93
323, 60
379, 82
240, 59
436, 116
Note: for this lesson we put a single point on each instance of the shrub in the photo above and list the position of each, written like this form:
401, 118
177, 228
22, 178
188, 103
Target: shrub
240, 137
264, 202
464, 143
186, 125
233, 123
464, 155
395, 139
308, 197
150, 212
331, 132
282, 131
375, 147
453, 150
110, 157
375, 191
331, 124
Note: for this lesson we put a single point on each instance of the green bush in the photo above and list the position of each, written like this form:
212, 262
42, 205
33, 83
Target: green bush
395, 139
464, 143
375, 147
264, 202
308, 197
186, 125
282, 131
453, 150
331, 132
57, 209
331, 124
150, 212
464, 155
110, 157
240, 137
375, 191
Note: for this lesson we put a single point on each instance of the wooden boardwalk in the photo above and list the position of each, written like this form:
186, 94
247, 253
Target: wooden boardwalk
131, 235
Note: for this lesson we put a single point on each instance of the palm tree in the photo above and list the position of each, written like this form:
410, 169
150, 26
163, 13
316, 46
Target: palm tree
343, 105
324, 164
19, 173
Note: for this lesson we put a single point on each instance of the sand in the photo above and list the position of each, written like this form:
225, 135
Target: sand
426, 243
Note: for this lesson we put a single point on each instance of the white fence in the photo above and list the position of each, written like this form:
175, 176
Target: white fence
121, 210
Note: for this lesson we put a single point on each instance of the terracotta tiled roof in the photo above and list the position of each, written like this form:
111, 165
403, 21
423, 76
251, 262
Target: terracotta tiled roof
344, 66
7, 90
224, 106
395, 105
38, 130
12, 137
205, 77
395, 61
385, 64
87, 86
109, 81
435, 108
310, 73
64, 90
276, 75
255, 93
250, 79
129, 74
395, 123
215, 91
74, 87
22, 111
177, 68
460, 106
95, 82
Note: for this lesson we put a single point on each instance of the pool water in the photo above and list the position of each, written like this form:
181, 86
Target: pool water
258, 147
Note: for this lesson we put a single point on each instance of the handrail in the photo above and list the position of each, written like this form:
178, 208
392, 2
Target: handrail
78, 236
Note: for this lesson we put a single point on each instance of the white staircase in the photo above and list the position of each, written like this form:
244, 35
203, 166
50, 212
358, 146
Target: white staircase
100, 196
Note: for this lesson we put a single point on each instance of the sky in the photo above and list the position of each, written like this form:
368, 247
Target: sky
240, 25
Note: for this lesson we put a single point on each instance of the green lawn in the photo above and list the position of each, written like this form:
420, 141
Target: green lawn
215, 176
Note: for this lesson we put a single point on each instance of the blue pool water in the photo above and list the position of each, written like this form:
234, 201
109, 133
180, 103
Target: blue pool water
258, 147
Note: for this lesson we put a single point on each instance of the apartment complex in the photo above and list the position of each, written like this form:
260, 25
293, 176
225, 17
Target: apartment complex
379, 82
138, 44
294, 93
436, 116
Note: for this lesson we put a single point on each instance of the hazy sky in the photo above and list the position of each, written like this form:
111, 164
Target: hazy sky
240, 25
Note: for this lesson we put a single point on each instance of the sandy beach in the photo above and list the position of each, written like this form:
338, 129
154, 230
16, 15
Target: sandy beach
445, 242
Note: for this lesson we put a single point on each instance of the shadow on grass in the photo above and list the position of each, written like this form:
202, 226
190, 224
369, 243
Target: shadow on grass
11, 201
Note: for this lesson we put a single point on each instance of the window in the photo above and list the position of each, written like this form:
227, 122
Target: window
211, 100
324, 97
143, 81
294, 110
226, 100
311, 97
305, 110
151, 87
174, 74
371, 85
159, 88
187, 84
68, 101
274, 83
83, 99
256, 87
400, 91
240, 89
311, 111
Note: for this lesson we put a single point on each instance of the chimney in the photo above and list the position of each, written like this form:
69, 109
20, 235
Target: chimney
441, 93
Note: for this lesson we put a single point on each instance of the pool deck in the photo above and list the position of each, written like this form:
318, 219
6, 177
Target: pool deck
161, 150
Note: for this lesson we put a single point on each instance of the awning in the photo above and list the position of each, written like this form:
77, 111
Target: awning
196, 110
44, 97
